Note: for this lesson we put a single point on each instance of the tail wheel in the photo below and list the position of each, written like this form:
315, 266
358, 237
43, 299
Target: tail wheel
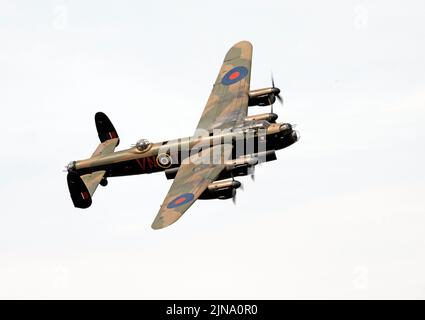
104, 182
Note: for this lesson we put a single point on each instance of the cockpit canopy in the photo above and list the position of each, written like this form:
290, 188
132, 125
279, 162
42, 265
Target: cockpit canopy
143, 144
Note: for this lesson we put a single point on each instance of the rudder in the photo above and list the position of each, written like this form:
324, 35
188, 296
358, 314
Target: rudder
80, 195
105, 128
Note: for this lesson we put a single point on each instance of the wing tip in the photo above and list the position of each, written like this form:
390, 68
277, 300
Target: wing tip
243, 43
156, 225
242, 48
165, 219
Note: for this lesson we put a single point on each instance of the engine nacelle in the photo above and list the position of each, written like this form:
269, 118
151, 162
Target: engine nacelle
235, 167
244, 166
263, 97
223, 189
270, 117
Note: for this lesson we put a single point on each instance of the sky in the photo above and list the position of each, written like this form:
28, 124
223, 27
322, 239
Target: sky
340, 214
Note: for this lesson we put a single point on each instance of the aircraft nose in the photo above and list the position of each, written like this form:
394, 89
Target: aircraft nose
286, 127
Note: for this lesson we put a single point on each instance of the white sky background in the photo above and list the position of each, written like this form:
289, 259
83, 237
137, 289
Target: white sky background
341, 214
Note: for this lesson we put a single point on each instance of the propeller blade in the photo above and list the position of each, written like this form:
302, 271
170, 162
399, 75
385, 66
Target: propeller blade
234, 196
271, 105
277, 94
252, 173
279, 98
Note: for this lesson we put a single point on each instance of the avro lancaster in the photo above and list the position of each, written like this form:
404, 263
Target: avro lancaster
227, 143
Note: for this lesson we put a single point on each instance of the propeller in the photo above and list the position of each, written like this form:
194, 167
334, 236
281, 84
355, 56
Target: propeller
251, 171
234, 190
234, 196
276, 91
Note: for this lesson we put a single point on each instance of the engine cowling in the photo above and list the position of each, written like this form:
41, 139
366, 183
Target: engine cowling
235, 167
263, 97
243, 166
270, 117
223, 189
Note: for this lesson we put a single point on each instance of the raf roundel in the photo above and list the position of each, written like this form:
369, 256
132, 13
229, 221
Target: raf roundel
234, 75
164, 160
180, 200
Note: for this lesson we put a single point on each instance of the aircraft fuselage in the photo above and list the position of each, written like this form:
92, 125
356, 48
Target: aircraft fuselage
166, 155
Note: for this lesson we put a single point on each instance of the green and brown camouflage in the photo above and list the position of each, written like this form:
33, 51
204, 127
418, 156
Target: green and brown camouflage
192, 178
227, 143
228, 104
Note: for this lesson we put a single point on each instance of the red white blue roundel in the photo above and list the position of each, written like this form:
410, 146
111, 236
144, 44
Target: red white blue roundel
181, 200
234, 75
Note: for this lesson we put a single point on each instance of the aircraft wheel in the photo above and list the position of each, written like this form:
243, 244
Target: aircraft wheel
104, 182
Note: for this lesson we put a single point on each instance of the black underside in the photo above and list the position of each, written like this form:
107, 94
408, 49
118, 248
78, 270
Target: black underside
105, 128
79, 193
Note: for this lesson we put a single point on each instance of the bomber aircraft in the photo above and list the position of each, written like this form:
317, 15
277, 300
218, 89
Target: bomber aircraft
227, 143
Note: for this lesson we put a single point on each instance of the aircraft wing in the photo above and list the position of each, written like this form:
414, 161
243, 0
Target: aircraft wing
228, 101
190, 182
